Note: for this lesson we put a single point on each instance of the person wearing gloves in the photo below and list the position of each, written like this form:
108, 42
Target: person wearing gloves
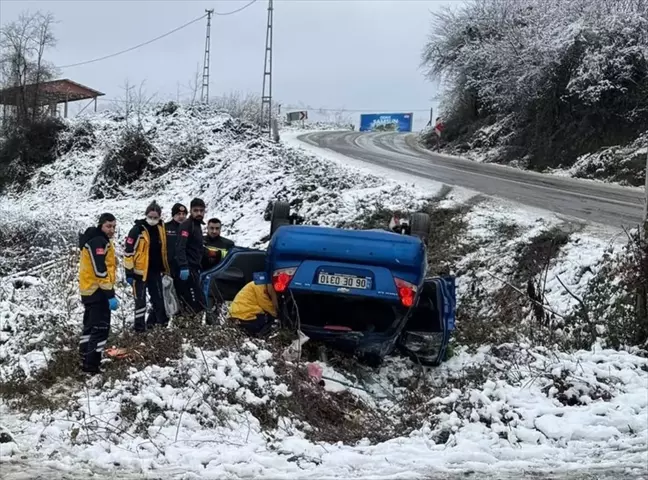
97, 273
188, 257
145, 261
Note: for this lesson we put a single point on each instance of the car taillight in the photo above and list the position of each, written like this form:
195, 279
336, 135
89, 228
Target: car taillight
406, 292
281, 278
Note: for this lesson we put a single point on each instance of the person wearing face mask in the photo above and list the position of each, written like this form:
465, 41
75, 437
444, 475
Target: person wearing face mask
97, 273
145, 261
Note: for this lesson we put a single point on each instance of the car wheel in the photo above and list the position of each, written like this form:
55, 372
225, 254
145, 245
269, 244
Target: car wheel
280, 216
420, 225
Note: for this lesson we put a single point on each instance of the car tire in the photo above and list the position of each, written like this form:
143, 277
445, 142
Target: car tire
280, 216
420, 225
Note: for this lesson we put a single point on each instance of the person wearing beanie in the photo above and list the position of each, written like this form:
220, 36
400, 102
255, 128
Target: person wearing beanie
145, 261
188, 257
97, 274
179, 215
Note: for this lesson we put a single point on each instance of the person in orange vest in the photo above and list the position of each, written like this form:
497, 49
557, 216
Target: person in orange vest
145, 261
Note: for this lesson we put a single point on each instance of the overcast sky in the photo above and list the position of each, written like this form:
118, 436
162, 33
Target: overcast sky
352, 54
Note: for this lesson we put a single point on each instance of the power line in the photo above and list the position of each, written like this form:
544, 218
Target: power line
136, 46
235, 11
224, 14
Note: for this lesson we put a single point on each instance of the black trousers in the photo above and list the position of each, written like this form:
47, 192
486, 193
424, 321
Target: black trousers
96, 328
157, 313
190, 293
257, 327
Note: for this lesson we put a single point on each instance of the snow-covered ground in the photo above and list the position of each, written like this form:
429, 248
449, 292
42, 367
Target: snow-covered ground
231, 409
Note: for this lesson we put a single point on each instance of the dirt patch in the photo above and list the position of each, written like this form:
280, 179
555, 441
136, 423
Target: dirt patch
533, 257
447, 243
331, 417
47, 389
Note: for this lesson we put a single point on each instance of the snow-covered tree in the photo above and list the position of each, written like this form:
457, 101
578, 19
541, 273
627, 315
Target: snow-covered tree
553, 67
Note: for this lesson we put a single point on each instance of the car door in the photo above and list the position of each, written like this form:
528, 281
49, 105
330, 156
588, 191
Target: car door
431, 322
223, 282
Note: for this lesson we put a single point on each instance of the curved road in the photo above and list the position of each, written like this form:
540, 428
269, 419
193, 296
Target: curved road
586, 200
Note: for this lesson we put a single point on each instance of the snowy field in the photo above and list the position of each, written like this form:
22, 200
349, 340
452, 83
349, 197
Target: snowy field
229, 410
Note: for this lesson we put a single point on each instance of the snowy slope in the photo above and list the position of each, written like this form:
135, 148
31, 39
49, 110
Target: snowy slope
228, 407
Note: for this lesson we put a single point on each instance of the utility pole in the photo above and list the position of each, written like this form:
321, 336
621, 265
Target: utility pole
204, 94
645, 222
266, 95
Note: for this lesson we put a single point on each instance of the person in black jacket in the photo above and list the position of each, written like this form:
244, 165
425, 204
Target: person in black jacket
215, 249
179, 214
188, 256
215, 245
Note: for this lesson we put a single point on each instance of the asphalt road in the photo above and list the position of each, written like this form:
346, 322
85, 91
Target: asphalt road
586, 200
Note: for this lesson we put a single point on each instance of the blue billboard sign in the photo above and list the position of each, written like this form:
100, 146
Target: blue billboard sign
386, 122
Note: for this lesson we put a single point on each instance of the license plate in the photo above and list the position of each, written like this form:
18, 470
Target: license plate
345, 281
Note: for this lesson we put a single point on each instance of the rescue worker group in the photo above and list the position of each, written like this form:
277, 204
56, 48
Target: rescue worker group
152, 250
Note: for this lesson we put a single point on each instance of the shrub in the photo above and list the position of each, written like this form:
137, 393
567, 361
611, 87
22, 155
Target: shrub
81, 137
130, 160
26, 148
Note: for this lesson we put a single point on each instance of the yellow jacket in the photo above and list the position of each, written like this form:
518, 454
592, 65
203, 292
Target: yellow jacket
136, 253
97, 266
251, 301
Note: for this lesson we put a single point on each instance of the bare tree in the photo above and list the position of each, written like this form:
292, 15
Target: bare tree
134, 102
23, 44
195, 84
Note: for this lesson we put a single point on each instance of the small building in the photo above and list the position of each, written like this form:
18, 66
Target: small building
47, 94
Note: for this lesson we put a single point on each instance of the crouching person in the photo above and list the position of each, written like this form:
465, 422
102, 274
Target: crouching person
255, 307
145, 261
97, 273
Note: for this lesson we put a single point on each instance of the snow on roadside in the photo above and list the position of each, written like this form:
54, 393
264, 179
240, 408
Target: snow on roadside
497, 410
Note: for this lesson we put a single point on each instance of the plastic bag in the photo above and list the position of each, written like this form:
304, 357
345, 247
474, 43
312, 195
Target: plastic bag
171, 303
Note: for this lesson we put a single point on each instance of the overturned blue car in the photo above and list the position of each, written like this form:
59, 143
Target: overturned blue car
364, 292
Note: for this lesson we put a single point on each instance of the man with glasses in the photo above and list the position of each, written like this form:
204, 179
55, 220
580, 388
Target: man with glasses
188, 256
145, 261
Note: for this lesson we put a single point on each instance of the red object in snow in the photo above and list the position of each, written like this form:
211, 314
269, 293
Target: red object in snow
315, 371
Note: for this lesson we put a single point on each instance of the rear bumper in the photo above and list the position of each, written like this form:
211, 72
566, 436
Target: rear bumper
379, 344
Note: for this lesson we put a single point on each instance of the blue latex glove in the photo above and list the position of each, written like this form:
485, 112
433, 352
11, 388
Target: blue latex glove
113, 303
130, 281
184, 274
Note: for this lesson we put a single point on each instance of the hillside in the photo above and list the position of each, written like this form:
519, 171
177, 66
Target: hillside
549, 389
545, 84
